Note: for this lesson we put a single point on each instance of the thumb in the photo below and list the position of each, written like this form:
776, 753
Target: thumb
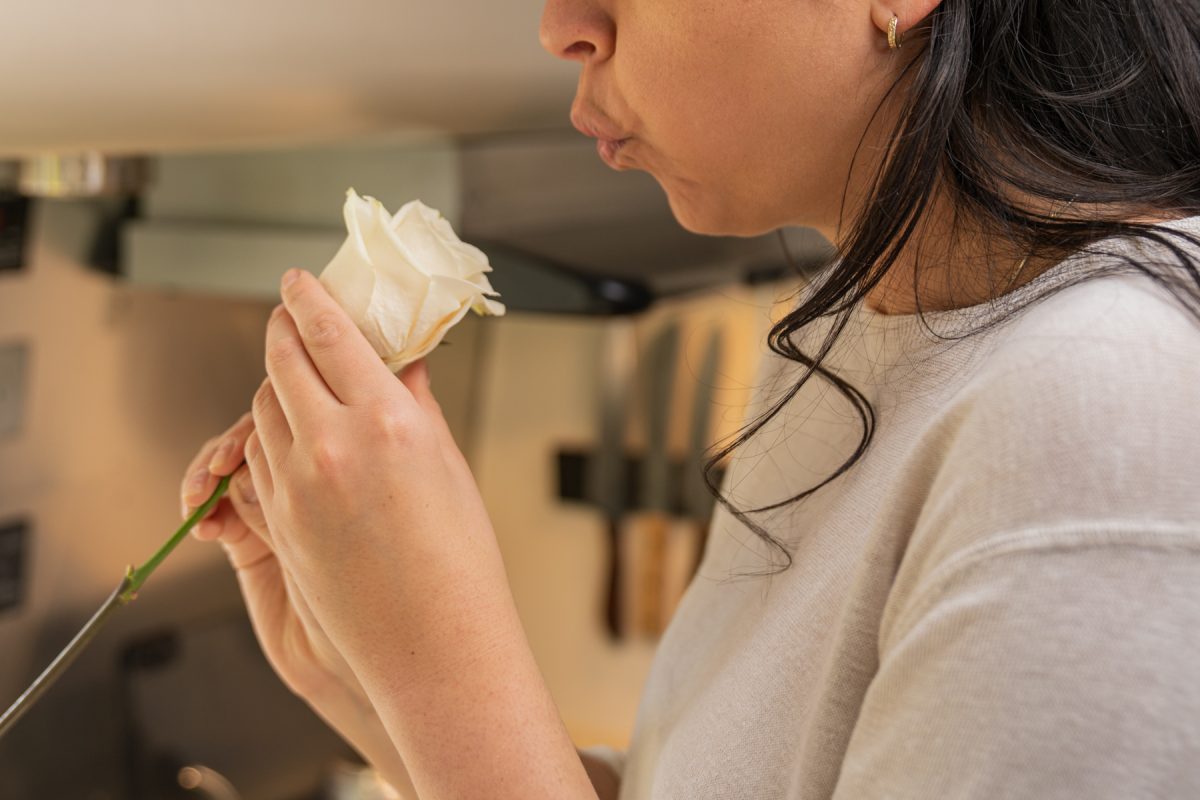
417, 371
415, 377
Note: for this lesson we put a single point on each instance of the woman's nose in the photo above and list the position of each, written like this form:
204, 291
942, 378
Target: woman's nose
577, 30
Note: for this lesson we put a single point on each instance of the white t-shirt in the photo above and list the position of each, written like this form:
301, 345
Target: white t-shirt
1001, 599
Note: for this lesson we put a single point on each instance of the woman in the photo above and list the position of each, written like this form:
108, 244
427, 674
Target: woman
980, 572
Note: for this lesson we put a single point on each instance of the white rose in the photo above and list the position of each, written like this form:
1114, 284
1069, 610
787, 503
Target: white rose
406, 279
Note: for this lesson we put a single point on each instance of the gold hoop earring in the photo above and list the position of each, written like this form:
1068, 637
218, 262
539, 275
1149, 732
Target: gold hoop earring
893, 40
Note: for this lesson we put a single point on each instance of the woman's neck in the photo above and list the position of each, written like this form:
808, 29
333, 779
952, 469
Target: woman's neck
958, 270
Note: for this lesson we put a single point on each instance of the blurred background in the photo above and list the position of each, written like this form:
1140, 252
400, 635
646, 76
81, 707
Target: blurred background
161, 165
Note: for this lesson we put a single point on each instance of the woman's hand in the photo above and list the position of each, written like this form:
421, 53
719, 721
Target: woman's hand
372, 508
291, 638
361, 483
293, 642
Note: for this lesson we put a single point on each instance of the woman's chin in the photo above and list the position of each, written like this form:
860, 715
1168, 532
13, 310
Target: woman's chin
713, 218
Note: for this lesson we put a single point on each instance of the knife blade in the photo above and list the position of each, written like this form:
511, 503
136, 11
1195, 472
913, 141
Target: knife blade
685, 542
697, 500
606, 473
651, 526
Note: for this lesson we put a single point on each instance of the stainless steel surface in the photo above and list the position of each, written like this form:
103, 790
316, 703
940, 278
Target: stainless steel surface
14, 390
87, 174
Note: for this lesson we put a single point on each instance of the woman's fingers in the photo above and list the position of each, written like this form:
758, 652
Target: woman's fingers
237, 523
244, 548
238, 505
228, 454
270, 425
299, 387
260, 472
213, 526
245, 503
218, 457
350, 367
198, 483
417, 378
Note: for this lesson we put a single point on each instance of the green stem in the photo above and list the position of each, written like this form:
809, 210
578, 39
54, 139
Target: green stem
138, 576
122, 595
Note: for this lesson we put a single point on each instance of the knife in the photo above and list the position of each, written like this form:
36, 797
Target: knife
650, 528
606, 474
685, 541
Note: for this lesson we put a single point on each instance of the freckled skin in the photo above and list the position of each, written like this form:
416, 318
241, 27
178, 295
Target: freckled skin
746, 113
749, 113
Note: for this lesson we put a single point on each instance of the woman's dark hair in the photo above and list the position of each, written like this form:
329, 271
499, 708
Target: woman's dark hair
1102, 96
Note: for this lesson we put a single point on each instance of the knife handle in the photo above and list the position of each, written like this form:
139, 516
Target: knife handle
612, 584
651, 532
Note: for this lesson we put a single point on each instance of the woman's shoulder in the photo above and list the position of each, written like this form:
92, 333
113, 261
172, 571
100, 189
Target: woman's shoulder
1080, 426
1108, 329
1100, 322
1112, 361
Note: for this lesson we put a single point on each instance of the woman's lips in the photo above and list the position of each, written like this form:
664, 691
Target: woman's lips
608, 148
609, 138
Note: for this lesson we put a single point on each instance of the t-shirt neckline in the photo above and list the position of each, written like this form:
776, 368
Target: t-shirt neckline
910, 329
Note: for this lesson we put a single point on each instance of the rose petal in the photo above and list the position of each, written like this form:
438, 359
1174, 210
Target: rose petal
347, 281
406, 279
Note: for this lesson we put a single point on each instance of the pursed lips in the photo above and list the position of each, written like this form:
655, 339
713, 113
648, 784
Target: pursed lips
608, 140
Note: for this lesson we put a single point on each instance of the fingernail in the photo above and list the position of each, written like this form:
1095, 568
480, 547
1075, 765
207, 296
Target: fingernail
196, 485
184, 510
290, 276
221, 455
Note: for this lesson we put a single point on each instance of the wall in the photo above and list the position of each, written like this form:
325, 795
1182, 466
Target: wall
123, 386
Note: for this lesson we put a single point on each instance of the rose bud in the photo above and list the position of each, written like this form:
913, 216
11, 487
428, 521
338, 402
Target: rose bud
406, 279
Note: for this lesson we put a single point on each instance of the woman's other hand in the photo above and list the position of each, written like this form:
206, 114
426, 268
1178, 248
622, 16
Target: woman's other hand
292, 640
290, 636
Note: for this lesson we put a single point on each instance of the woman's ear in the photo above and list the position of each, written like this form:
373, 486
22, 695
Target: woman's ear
908, 13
